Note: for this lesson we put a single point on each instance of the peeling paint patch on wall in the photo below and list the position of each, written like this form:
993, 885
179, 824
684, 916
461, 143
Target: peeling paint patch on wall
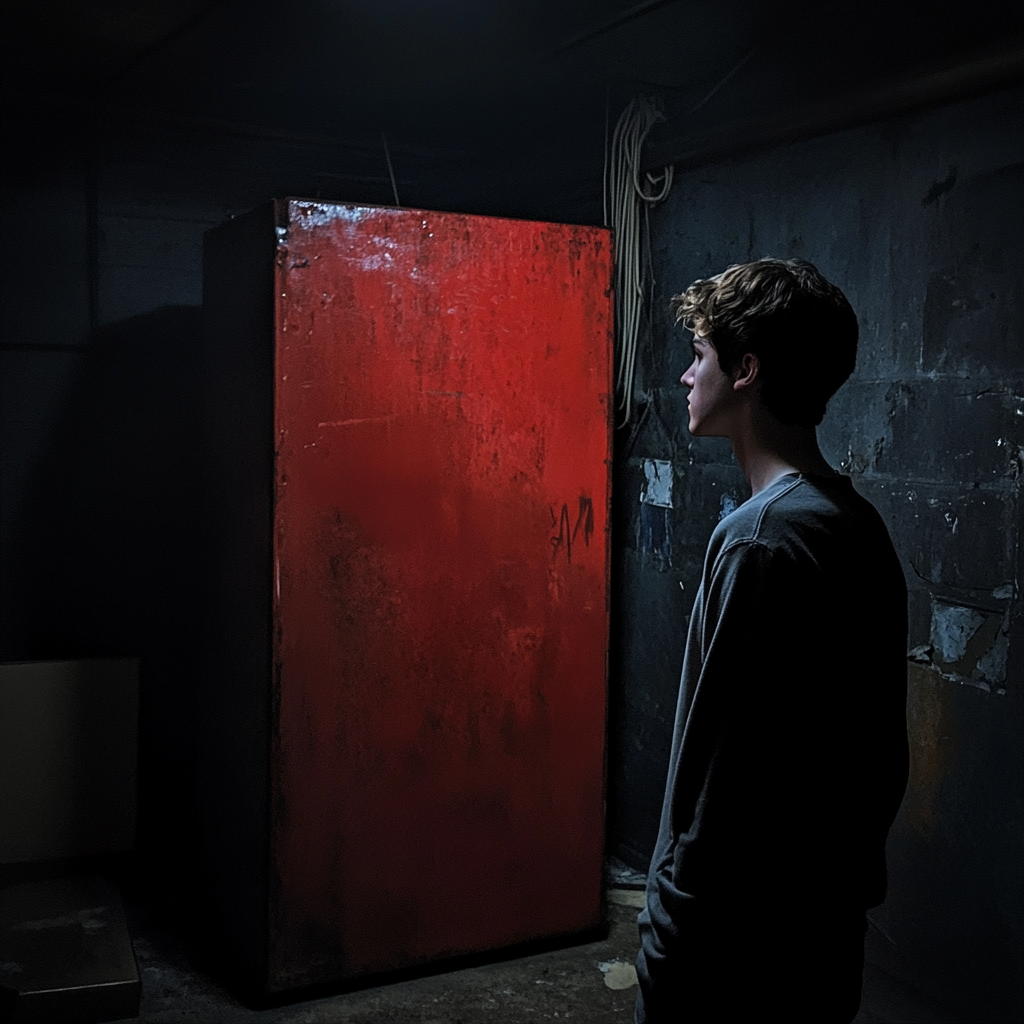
952, 627
969, 645
727, 505
657, 489
654, 527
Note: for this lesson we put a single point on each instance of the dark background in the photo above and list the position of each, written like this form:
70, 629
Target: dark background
882, 142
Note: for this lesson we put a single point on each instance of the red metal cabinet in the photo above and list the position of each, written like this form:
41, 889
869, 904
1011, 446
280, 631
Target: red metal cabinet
408, 455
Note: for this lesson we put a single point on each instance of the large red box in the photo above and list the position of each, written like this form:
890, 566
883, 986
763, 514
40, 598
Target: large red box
408, 462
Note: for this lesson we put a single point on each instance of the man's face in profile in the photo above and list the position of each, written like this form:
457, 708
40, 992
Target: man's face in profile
712, 396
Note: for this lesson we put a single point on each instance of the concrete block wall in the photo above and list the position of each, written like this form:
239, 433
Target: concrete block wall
920, 220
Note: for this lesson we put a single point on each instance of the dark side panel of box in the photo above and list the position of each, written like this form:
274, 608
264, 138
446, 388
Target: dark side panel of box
237, 471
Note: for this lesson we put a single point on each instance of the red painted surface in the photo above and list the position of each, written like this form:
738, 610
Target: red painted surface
441, 615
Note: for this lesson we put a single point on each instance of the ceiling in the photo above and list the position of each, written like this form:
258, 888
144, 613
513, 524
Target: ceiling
489, 85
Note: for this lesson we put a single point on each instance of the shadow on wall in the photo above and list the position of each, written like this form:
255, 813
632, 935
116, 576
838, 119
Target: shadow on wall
108, 550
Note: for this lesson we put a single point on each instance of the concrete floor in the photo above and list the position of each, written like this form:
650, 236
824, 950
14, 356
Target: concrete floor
593, 983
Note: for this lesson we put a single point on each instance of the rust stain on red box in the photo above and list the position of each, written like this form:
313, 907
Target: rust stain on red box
441, 610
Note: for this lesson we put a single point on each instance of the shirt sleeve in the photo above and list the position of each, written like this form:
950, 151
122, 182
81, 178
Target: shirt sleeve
732, 789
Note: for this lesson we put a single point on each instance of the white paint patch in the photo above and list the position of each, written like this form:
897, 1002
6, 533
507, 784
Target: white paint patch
1003, 592
952, 628
657, 489
727, 505
618, 975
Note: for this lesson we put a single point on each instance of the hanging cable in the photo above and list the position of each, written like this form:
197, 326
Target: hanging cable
625, 194
391, 170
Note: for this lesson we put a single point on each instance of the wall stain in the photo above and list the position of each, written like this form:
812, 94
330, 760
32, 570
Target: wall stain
933, 747
940, 188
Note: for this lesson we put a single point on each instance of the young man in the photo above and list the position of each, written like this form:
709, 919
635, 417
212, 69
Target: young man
789, 757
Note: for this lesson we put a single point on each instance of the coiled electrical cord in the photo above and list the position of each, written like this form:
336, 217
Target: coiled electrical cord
625, 193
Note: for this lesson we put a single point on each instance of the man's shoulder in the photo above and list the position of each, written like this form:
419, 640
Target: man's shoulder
803, 513
807, 543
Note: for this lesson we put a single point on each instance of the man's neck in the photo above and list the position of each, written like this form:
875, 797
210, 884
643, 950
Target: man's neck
767, 449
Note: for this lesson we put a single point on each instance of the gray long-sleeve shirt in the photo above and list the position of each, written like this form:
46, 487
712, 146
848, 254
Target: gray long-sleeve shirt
789, 757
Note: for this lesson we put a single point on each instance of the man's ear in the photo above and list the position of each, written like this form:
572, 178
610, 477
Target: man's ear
746, 373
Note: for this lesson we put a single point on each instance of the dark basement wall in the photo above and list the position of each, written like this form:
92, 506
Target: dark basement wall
920, 219
101, 293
